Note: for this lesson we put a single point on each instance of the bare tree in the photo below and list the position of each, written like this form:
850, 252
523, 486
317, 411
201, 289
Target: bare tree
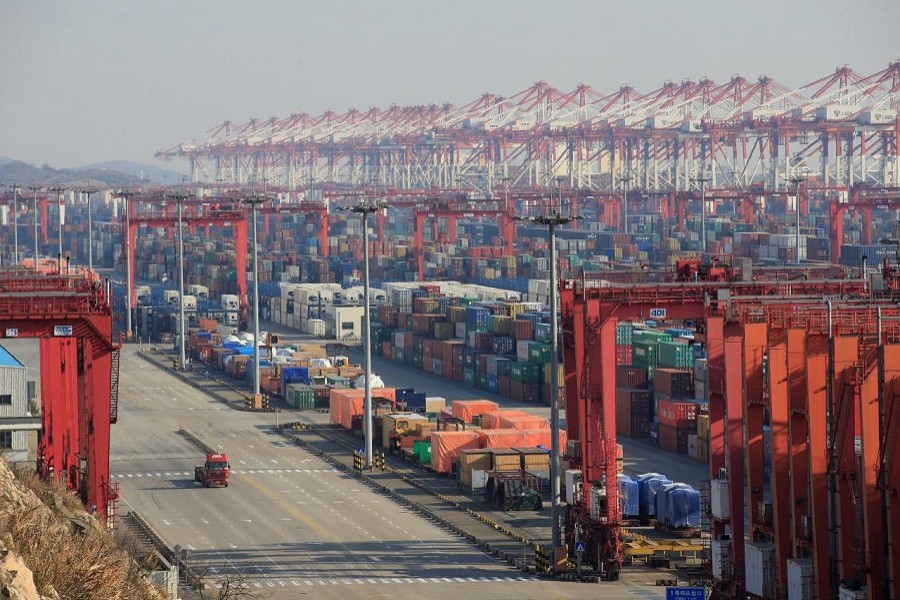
233, 585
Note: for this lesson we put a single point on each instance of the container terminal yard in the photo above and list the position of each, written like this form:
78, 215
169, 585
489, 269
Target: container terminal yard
722, 391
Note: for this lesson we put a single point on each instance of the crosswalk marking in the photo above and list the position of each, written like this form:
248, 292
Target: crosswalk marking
233, 471
389, 581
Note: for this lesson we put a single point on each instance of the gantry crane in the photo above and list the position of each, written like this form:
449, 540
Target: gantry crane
72, 319
194, 215
865, 199
788, 325
453, 210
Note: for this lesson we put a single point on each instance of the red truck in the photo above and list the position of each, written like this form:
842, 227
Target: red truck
214, 472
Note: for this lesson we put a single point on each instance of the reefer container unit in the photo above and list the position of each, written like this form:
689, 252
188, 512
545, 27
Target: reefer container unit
759, 559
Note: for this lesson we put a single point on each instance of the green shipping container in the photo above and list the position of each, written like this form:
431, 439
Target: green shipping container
422, 451
300, 396
676, 355
525, 371
542, 333
624, 335
539, 353
645, 354
650, 335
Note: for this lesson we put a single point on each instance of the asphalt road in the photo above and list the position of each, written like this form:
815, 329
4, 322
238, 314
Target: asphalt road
289, 522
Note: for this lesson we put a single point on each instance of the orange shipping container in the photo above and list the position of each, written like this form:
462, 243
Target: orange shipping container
541, 437
523, 423
491, 420
445, 447
466, 410
504, 438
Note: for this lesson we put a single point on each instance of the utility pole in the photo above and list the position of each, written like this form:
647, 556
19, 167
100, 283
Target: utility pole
702, 180
34, 189
88, 192
254, 201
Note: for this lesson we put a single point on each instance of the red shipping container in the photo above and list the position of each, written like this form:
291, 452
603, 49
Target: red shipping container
672, 439
447, 367
458, 373
523, 330
623, 355
631, 377
677, 413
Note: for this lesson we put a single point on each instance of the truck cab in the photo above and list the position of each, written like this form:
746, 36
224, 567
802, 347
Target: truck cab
216, 471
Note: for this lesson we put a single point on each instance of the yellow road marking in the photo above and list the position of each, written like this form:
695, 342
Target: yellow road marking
290, 509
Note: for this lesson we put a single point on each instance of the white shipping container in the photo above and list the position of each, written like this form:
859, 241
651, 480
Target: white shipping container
719, 502
721, 556
699, 390
316, 327
692, 445
848, 594
460, 332
759, 573
522, 349
800, 579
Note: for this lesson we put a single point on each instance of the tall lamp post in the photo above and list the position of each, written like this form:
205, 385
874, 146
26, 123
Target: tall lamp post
15, 191
552, 220
180, 197
254, 201
59, 206
34, 189
366, 208
625, 180
88, 192
797, 180
125, 195
702, 180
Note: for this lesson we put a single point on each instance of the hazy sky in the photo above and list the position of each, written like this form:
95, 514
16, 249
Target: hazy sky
89, 81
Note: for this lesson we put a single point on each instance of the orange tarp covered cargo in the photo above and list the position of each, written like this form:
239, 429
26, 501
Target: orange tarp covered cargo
346, 403
504, 438
523, 423
491, 420
445, 447
469, 409
541, 437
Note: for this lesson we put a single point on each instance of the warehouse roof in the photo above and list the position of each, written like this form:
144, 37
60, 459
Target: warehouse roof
8, 360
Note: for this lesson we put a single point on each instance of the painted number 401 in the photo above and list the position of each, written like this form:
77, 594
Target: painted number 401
658, 313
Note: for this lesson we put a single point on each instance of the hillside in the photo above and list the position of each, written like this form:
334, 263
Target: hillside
113, 173
45, 556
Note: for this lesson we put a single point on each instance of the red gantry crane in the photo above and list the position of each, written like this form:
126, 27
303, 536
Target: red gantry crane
72, 319
819, 360
461, 209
